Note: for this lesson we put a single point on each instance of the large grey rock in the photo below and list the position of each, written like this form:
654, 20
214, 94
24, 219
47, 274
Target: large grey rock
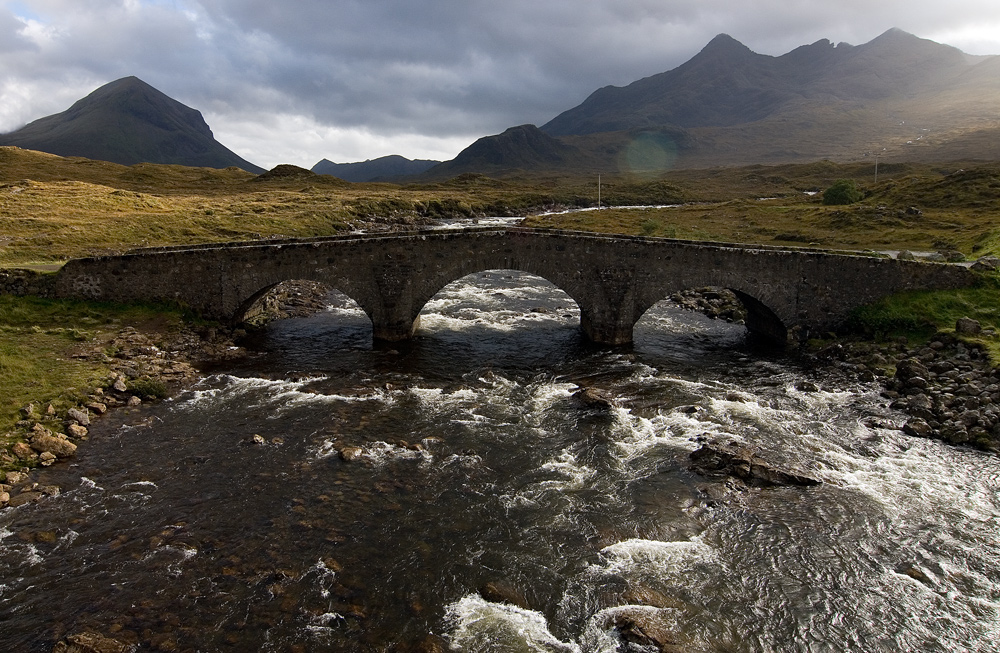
82, 417
967, 326
986, 264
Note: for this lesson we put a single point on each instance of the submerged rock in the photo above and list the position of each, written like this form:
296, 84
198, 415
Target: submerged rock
730, 459
91, 643
641, 628
503, 592
594, 398
349, 454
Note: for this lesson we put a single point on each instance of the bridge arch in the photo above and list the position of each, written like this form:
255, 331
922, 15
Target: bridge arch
273, 300
762, 322
435, 286
507, 288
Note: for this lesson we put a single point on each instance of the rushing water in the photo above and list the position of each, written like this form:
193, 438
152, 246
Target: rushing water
490, 508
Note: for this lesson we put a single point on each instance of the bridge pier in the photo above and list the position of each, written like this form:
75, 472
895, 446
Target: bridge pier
394, 331
605, 332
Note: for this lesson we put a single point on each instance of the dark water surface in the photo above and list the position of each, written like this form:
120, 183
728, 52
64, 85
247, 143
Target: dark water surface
479, 474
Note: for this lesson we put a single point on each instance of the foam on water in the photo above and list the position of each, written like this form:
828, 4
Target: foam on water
480, 626
275, 396
575, 476
666, 557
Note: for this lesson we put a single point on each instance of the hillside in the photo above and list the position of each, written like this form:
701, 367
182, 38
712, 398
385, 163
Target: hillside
129, 122
380, 169
515, 150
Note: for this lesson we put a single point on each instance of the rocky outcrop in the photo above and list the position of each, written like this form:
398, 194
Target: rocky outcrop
718, 458
950, 393
948, 387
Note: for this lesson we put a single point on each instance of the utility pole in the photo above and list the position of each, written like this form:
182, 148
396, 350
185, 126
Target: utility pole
599, 191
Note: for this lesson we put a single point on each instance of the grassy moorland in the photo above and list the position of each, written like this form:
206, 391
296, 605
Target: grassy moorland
912, 207
54, 208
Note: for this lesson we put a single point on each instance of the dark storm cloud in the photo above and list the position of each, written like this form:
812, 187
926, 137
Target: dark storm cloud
310, 74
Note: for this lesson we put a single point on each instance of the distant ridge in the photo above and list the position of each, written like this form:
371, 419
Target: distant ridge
128, 121
525, 147
390, 167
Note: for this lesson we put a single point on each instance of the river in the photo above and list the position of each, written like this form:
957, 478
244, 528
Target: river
487, 506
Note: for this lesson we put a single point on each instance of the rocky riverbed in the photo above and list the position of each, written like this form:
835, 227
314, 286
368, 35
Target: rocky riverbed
948, 387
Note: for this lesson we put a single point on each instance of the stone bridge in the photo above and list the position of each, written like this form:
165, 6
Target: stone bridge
613, 279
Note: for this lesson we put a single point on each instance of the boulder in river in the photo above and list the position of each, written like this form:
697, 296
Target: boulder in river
918, 428
503, 592
349, 454
641, 628
594, 398
731, 459
91, 643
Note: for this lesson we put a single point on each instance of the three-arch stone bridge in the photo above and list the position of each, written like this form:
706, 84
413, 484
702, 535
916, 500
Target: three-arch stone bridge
613, 279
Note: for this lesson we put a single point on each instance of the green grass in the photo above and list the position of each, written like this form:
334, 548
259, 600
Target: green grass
47, 347
919, 315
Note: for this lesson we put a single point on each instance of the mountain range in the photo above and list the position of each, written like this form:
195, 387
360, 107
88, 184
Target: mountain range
127, 122
897, 96
383, 168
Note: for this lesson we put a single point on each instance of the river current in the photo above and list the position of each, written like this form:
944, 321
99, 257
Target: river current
487, 506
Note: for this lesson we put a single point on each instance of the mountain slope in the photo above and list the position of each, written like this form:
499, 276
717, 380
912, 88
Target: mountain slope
519, 148
386, 167
128, 121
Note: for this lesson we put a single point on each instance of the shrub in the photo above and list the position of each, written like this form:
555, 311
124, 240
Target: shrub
843, 191
148, 388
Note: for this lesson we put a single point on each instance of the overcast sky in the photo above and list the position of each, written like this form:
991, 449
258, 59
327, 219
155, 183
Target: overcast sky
348, 80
